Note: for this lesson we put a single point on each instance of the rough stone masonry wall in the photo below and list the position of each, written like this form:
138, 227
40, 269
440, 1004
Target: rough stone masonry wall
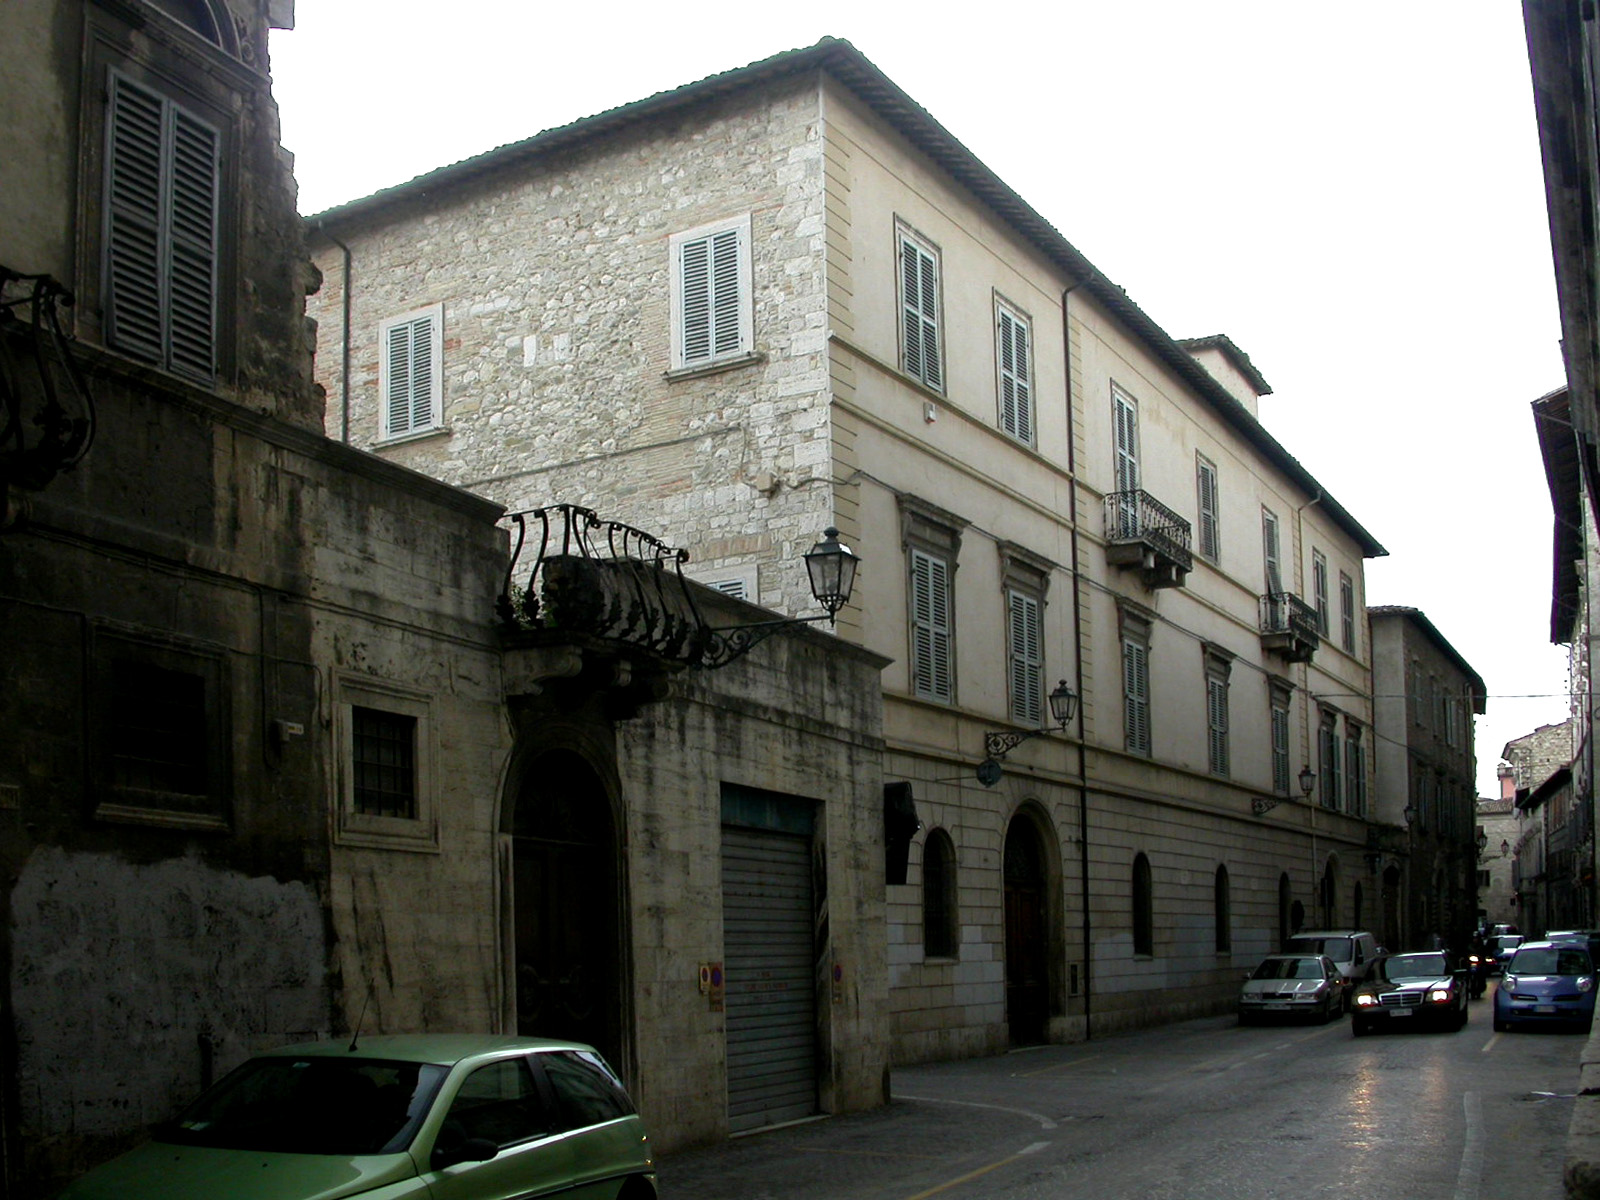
554, 280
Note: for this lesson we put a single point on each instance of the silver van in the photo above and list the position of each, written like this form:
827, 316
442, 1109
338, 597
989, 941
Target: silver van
1352, 951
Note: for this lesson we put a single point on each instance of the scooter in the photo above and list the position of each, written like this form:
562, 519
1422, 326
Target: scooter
1477, 975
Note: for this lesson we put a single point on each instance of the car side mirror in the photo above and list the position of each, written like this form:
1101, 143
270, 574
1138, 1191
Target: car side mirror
467, 1150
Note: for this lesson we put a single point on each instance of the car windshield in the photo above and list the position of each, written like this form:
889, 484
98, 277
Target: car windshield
1336, 948
311, 1105
1289, 968
1551, 960
1415, 966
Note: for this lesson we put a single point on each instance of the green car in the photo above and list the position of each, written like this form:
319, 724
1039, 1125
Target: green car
434, 1117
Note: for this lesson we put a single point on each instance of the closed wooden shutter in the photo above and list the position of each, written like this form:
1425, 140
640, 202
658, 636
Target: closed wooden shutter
1217, 720
711, 305
930, 626
1027, 665
411, 374
1136, 696
1016, 389
1206, 484
162, 172
919, 287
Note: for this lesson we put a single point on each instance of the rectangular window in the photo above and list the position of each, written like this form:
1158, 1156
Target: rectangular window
931, 642
1014, 354
162, 731
1136, 695
162, 208
1269, 551
1319, 590
713, 310
1206, 497
1328, 761
1347, 612
411, 373
1216, 672
919, 307
1355, 770
1278, 702
1026, 659
383, 756
1125, 446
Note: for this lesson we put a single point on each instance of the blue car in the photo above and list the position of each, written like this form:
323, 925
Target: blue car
1546, 983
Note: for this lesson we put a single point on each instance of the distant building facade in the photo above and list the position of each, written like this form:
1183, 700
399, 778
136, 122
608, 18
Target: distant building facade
1427, 792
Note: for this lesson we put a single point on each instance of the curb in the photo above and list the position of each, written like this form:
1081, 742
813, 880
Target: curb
1581, 1174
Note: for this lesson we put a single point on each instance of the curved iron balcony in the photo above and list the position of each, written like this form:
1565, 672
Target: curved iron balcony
1289, 626
1142, 532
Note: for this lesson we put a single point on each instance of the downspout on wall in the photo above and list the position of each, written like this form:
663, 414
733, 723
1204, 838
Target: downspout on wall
344, 338
1077, 644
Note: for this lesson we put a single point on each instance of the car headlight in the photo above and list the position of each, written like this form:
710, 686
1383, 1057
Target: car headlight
1439, 996
1585, 983
1366, 1000
1506, 984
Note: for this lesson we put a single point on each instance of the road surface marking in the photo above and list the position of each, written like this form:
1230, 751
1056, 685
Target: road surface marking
981, 1171
1471, 1173
1044, 1121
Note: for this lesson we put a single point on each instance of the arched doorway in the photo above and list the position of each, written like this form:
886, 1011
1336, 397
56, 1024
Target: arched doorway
566, 905
1027, 934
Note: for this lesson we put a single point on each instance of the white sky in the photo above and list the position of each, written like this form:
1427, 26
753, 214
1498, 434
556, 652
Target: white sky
1351, 192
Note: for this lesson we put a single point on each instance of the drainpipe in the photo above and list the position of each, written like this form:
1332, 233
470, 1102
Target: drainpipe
344, 341
1077, 643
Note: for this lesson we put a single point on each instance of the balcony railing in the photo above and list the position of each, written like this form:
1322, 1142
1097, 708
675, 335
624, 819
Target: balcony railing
1144, 533
599, 580
1289, 626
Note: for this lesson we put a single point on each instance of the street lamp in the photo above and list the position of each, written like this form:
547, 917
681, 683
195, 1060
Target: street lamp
997, 744
1308, 780
1505, 847
831, 567
1261, 805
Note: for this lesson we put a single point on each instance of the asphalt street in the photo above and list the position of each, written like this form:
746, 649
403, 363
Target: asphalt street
1204, 1109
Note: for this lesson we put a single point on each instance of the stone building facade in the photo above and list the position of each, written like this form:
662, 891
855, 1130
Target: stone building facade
219, 624
1427, 771
785, 299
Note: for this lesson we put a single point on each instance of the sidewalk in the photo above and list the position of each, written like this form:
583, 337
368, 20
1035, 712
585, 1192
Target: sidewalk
1583, 1135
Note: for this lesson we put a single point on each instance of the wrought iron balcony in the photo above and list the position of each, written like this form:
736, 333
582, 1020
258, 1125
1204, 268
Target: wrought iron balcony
1144, 533
1289, 626
46, 411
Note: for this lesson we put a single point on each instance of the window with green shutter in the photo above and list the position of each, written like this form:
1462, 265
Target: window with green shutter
1014, 352
163, 164
919, 307
1026, 645
932, 675
712, 306
411, 373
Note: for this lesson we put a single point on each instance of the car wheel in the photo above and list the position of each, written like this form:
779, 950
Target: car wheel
1500, 1026
1461, 1019
1359, 1028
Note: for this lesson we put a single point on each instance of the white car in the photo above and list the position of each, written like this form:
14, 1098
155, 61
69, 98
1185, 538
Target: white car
1293, 985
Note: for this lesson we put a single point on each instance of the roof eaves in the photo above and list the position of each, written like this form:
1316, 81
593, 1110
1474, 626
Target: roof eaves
853, 69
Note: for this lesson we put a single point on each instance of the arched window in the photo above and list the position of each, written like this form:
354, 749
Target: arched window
1285, 928
1222, 908
1144, 934
938, 896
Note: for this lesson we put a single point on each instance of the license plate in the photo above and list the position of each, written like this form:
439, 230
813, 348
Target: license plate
1272, 1007
1399, 1012
1544, 1008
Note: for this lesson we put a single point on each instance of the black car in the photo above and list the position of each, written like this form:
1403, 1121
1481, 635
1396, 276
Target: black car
1411, 989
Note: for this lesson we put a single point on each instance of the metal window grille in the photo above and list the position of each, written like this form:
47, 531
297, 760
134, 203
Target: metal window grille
383, 751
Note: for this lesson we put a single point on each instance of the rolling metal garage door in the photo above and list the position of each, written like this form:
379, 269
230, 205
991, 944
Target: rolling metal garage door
769, 972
